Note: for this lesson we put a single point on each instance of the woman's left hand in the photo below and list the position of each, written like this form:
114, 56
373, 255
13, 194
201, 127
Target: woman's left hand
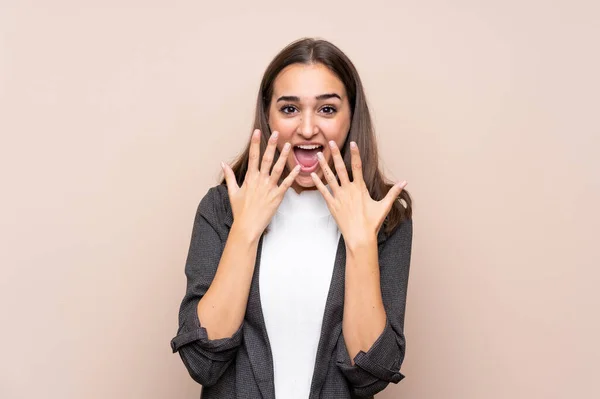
357, 215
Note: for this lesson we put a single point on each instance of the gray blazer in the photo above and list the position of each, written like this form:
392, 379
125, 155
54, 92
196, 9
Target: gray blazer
241, 366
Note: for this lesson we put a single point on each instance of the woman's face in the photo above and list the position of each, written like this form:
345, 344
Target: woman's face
309, 108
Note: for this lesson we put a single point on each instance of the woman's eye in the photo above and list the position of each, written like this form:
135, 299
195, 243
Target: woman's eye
328, 110
288, 109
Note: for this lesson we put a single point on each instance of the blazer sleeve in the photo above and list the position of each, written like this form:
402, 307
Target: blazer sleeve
206, 360
375, 369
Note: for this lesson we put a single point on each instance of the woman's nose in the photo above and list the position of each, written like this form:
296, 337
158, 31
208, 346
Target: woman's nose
307, 127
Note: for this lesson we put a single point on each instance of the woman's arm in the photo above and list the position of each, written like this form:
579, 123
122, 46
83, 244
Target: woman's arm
377, 349
218, 283
364, 314
221, 310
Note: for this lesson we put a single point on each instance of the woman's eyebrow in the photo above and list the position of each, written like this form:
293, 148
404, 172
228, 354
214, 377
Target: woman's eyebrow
319, 97
328, 95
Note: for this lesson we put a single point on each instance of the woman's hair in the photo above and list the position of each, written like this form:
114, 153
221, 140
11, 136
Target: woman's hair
316, 51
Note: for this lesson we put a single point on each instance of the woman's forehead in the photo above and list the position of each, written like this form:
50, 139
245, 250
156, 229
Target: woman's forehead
307, 82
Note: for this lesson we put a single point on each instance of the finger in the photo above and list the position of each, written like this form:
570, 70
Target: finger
329, 176
267, 159
232, 186
280, 164
321, 187
339, 164
289, 180
357, 176
393, 194
254, 152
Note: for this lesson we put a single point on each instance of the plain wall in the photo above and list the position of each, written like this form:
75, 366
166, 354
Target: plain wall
114, 116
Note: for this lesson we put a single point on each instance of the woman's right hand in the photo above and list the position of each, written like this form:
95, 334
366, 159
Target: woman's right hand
256, 201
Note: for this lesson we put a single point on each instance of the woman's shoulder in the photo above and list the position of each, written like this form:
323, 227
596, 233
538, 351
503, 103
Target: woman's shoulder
216, 194
215, 205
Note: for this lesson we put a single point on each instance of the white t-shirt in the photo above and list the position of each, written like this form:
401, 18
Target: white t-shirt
296, 266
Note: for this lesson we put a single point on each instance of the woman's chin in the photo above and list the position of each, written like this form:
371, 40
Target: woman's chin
304, 180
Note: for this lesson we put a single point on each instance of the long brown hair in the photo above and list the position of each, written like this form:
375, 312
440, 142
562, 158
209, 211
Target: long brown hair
316, 51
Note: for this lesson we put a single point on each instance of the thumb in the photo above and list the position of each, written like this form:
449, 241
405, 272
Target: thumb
232, 186
393, 195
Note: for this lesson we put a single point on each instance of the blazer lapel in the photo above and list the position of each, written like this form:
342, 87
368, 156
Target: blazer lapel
257, 341
331, 327
256, 338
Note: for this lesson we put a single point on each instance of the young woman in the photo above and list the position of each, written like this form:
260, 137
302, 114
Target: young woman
298, 264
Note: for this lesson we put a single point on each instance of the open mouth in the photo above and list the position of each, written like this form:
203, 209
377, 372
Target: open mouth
306, 157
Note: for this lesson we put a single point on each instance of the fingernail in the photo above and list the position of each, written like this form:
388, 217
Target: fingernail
352, 145
320, 155
275, 134
332, 143
286, 146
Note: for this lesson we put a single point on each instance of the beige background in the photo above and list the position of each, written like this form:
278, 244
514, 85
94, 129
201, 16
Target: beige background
114, 117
